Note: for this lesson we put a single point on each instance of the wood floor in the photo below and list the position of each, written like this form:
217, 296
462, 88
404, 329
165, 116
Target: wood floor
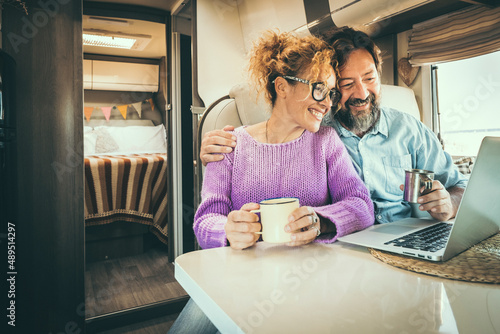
118, 284
153, 326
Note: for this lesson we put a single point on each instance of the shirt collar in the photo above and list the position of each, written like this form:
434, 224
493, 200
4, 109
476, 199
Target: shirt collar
381, 125
343, 132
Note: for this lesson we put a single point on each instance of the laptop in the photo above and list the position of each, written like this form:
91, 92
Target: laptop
478, 218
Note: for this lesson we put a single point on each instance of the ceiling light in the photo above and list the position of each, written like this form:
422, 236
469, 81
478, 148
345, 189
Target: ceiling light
108, 41
101, 38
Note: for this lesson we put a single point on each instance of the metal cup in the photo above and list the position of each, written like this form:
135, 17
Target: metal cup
415, 179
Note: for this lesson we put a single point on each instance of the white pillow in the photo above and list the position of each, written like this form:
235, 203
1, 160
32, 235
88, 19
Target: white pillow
138, 139
89, 143
105, 142
87, 129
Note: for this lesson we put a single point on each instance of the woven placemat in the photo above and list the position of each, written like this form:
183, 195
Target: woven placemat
480, 263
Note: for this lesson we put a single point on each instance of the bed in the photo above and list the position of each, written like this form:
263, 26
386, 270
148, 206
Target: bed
125, 182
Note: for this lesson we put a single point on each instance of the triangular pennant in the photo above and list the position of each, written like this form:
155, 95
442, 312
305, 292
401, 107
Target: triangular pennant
123, 110
107, 112
138, 107
152, 104
87, 111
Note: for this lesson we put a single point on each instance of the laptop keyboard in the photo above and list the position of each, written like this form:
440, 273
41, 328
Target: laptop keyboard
431, 239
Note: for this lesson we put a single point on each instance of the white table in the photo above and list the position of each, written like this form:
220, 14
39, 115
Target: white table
334, 288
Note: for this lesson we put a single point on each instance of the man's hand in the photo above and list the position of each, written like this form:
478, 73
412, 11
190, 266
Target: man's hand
216, 141
442, 204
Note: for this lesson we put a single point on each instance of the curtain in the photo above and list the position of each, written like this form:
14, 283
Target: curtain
467, 33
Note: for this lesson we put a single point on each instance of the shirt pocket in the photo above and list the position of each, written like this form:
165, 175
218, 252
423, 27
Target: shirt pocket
395, 166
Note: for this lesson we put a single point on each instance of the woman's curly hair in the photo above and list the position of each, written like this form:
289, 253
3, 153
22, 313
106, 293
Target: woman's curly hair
277, 54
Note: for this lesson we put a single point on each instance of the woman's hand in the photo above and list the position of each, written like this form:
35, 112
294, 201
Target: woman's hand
304, 226
241, 226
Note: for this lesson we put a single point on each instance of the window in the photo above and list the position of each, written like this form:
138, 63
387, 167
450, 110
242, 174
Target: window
468, 92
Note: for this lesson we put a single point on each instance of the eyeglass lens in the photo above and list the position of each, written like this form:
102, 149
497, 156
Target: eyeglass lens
320, 91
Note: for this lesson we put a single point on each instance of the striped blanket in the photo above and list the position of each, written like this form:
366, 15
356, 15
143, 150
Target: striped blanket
129, 188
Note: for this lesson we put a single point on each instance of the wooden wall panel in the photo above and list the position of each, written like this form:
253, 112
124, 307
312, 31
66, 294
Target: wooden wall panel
47, 47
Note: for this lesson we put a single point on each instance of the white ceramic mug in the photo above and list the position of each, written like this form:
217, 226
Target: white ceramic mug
274, 214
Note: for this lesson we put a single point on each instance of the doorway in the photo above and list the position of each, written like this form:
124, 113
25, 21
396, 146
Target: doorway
129, 274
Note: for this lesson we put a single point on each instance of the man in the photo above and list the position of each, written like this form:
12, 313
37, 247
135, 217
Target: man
382, 142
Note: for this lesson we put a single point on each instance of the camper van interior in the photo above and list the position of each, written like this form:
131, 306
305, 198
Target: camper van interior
113, 98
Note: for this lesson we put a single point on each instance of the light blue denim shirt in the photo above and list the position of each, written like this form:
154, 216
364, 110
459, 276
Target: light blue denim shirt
397, 142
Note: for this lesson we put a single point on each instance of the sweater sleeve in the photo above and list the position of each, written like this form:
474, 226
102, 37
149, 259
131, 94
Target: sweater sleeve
215, 205
351, 209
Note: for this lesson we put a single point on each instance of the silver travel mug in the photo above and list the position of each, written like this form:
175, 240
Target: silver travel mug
415, 179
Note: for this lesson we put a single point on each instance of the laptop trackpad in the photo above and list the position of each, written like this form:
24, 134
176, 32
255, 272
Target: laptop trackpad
393, 229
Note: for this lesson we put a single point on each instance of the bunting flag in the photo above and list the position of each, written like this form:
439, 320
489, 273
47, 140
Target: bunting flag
107, 112
87, 111
123, 110
138, 107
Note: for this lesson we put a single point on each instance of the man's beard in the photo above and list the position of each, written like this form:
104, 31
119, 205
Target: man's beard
359, 124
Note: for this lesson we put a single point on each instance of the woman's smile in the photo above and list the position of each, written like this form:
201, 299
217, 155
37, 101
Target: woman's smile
317, 113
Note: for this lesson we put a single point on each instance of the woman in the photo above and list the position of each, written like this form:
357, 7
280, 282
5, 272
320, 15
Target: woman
290, 155
287, 156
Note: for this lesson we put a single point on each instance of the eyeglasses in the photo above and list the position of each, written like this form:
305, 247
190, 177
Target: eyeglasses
319, 90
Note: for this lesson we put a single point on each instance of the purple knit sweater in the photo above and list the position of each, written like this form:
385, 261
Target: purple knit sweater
314, 167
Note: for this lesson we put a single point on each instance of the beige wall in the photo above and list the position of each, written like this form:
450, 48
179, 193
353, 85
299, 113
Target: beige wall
226, 30
260, 15
220, 49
